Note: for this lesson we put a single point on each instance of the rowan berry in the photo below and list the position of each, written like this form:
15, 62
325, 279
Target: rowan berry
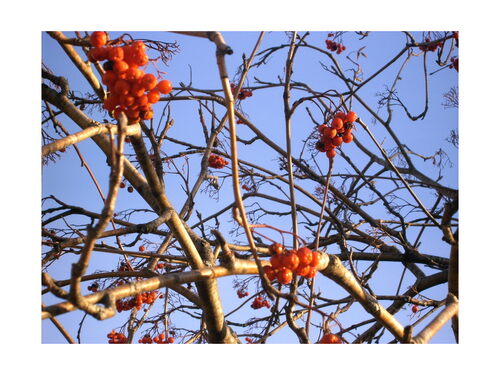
276, 248
148, 81
98, 38
330, 338
351, 117
270, 273
164, 86
284, 276
305, 256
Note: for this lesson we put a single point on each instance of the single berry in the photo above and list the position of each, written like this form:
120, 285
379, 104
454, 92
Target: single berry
148, 81
98, 38
284, 276
164, 86
316, 255
277, 261
337, 123
291, 260
347, 138
276, 248
330, 338
331, 153
351, 117
270, 273
305, 256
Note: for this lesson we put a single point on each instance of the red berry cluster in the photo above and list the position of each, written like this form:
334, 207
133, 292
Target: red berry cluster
130, 89
249, 340
431, 46
146, 339
286, 263
160, 266
330, 338
260, 302
335, 46
116, 338
137, 301
217, 161
414, 309
160, 339
339, 131
142, 248
241, 293
454, 63
124, 267
243, 94
93, 288
130, 189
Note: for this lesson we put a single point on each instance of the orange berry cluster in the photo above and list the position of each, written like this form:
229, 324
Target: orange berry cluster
116, 338
130, 89
260, 302
339, 131
284, 264
160, 339
243, 94
217, 161
137, 301
330, 338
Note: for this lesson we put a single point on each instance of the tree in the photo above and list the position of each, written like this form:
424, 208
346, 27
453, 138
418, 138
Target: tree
309, 203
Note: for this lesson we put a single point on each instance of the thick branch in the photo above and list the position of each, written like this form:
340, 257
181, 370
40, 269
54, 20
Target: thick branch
342, 276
